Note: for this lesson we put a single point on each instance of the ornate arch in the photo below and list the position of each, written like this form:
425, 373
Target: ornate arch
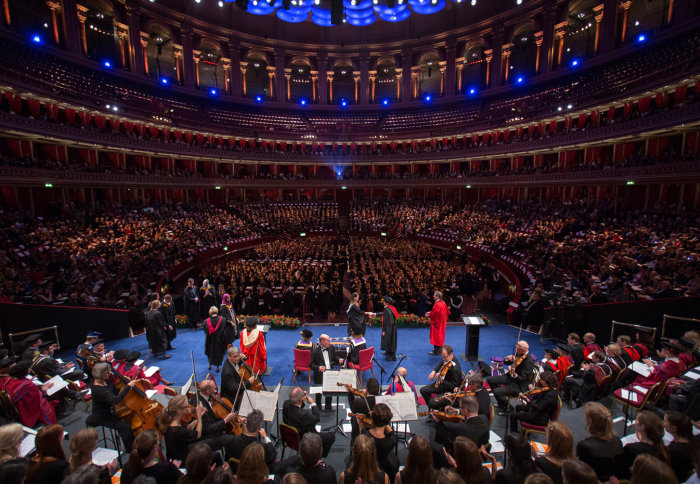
153, 26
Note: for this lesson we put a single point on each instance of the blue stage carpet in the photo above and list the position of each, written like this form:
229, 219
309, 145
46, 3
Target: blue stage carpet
496, 340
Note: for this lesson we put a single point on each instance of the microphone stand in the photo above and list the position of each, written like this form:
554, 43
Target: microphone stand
393, 373
382, 372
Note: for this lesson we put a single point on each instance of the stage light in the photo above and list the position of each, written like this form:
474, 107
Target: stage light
303, 101
108, 106
36, 39
385, 102
303, 234
221, 3
630, 182
48, 185
225, 248
472, 91
459, 247
569, 106
574, 63
641, 38
258, 99
107, 64
427, 98
559, 108
217, 188
473, 3
213, 92
164, 80
520, 80
518, 2
343, 187
343, 103
115, 109
383, 234
468, 186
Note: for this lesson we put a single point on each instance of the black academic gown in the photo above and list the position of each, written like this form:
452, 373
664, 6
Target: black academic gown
191, 305
389, 330
230, 331
156, 331
214, 346
168, 312
207, 299
356, 320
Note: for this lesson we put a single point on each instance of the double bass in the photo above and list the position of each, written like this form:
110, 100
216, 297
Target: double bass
137, 409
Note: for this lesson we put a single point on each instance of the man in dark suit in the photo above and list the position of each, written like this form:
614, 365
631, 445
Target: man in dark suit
505, 385
157, 330
474, 427
444, 384
231, 379
322, 359
191, 301
538, 407
476, 384
212, 426
254, 432
303, 420
577, 352
31, 348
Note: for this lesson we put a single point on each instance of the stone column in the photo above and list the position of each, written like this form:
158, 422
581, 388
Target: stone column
6, 12
81, 11
196, 57
598, 11
443, 70
507, 50
273, 84
560, 32
356, 78
177, 53
399, 81
372, 85
329, 77
414, 80
608, 39
188, 55
314, 80
235, 55
538, 42
226, 64
134, 24
547, 57
54, 6
460, 66
364, 78
625, 18
488, 57
244, 69
287, 83
497, 54
144, 45
123, 34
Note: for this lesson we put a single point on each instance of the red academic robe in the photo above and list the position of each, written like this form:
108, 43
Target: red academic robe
31, 403
667, 369
137, 373
253, 346
438, 323
563, 364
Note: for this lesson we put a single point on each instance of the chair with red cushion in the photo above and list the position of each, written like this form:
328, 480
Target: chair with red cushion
528, 428
302, 360
290, 437
365, 363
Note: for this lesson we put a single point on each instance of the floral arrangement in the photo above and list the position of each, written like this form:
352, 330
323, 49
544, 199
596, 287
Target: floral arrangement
182, 321
282, 322
405, 321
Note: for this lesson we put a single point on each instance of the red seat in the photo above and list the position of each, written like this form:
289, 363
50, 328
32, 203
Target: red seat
366, 362
302, 360
528, 428
290, 437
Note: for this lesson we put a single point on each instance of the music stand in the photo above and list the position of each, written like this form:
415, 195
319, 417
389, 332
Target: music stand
393, 372
471, 344
382, 372
331, 379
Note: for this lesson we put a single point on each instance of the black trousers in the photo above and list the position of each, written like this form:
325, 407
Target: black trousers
502, 387
521, 414
428, 390
123, 428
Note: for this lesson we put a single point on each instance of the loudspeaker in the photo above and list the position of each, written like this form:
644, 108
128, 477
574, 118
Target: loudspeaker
336, 12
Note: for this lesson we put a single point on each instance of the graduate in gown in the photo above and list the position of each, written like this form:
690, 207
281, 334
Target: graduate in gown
207, 297
253, 345
438, 322
389, 320
227, 312
214, 345
167, 309
157, 330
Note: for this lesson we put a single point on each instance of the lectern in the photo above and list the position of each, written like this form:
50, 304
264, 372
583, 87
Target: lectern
471, 345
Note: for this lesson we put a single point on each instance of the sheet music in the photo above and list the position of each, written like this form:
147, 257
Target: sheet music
186, 386
27, 445
641, 368
138, 363
102, 456
402, 405
331, 378
151, 371
266, 402
58, 384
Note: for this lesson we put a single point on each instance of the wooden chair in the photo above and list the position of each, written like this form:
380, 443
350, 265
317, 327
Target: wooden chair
528, 428
290, 438
302, 362
636, 401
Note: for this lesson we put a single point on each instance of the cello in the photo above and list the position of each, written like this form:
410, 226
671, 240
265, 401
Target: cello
143, 411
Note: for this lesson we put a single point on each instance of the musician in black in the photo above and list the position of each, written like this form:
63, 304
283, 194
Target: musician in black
447, 375
104, 397
231, 379
254, 432
363, 405
294, 414
212, 426
538, 405
516, 380
322, 359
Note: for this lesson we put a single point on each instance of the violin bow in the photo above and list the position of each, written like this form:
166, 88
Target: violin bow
194, 378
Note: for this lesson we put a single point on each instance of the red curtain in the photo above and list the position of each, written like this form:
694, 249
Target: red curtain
34, 107
153, 130
644, 104
14, 145
100, 121
70, 116
200, 138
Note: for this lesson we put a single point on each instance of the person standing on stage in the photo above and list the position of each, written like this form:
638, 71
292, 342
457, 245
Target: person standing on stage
229, 314
157, 330
214, 345
438, 322
207, 294
253, 345
191, 301
389, 319
447, 375
167, 309
356, 316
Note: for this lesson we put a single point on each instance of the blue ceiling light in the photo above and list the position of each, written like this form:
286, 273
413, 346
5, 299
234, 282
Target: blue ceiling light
358, 14
292, 16
641, 38
321, 21
427, 7
519, 80
472, 91
361, 22
213, 92
575, 63
359, 4
107, 64
303, 101
385, 102
427, 98
164, 80
258, 99
396, 14
321, 12
36, 39
261, 7
343, 103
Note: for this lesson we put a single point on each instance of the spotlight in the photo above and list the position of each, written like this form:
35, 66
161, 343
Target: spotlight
164, 80
343, 103
385, 102
559, 108
520, 80
518, 2
221, 3
258, 99
427, 98
569, 106
36, 39
472, 91
107, 64
574, 63
198, 1
473, 3
303, 101
115, 109
213, 92
641, 38
108, 106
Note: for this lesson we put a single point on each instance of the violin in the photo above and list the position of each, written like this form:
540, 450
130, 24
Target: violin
363, 418
515, 364
189, 415
443, 372
447, 417
90, 357
535, 391
221, 408
351, 389
454, 396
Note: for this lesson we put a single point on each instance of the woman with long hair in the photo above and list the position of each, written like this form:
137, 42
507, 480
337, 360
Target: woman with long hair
647, 469
11, 436
49, 465
252, 468
466, 461
650, 432
602, 447
560, 447
198, 464
179, 437
419, 463
520, 463
82, 445
680, 427
142, 461
364, 464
